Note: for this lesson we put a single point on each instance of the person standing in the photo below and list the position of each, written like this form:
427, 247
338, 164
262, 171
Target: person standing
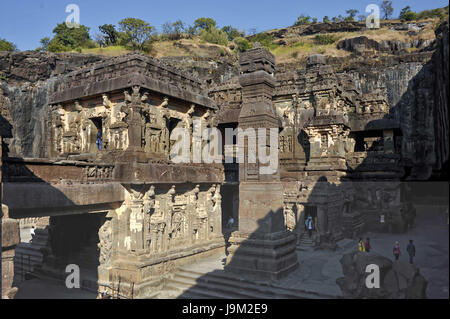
230, 222
361, 246
32, 231
99, 140
396, 250
367, 245
411, 249
309, 225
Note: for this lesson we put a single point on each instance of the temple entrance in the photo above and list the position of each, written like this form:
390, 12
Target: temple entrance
94, 132
311, 211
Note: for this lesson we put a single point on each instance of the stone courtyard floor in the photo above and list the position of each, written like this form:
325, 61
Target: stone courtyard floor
319, 269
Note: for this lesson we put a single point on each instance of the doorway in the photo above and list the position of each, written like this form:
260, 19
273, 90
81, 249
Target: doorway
311, 211
94, 132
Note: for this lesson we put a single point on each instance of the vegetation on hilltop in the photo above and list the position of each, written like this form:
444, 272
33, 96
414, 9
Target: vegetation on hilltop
7, 46
205, 38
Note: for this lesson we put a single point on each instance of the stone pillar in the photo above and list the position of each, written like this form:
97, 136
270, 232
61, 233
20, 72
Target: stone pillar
262, 247
135, 151
10, 237
137, 219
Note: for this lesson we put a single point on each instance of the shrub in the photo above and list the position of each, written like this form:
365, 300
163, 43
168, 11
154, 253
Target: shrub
242, 44
302, 19
410, 16
231, 32
324, 39
214, 35
265, 39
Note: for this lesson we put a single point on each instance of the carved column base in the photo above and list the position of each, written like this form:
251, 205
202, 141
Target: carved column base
262, 248
266, 257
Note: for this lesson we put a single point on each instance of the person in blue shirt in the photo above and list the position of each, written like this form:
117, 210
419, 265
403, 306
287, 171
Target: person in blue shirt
99, 141
309, 223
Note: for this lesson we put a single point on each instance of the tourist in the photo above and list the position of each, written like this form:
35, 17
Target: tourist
411, 249
99, 140
309, 225
396, 250
361, 246
367, 245
32, 233
230, 222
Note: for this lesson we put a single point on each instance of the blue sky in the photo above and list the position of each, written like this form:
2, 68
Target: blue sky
25, 22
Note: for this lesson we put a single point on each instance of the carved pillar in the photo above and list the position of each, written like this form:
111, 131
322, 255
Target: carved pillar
136, 220
9, 238
134, 121
262, 247
217, 222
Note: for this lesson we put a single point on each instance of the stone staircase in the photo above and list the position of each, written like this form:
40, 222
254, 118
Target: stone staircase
29, 256
188, 283
305, 243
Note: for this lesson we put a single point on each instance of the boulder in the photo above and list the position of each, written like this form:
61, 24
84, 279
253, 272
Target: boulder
398, 280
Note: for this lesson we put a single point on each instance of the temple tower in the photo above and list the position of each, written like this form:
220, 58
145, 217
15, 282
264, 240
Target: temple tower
262, 247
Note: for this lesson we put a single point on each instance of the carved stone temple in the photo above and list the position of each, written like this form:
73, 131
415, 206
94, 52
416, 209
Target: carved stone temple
103, 192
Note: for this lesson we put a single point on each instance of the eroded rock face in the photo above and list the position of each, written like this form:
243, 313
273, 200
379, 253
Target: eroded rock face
398, 280
32, 66
359, 45
30, 76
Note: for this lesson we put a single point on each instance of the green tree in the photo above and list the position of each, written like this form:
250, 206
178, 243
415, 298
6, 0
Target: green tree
231, 32
44, 44
339, 18
407, 14
173, 31
204, 24
326, 19
136, 34
7, 46
302, 19
179, 27
68, 39
387, 9
110, 33
351, 14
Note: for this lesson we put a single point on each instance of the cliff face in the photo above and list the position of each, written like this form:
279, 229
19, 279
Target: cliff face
26, 78
441, 94
423, 114
416, 87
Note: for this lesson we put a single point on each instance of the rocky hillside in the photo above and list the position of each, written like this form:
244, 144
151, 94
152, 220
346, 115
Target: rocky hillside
409, 62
